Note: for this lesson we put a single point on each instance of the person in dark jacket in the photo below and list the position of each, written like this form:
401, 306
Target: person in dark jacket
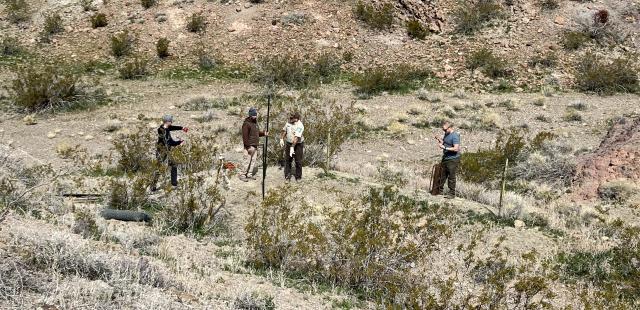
250, 138
163, 148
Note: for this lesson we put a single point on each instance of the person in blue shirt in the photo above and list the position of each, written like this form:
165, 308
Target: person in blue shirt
450, 145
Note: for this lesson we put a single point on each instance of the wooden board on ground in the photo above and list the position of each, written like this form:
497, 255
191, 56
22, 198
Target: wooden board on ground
436, 173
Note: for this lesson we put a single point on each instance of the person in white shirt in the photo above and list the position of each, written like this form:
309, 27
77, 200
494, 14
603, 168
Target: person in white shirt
292, 142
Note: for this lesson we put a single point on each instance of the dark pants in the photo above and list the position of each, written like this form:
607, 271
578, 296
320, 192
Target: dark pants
449, 169
162, 158
298, 156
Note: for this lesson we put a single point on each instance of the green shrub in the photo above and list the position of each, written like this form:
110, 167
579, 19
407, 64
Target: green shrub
44, 87
206, 61
597, 75
122, 44
548, 4
99, 20
134, 69
133, 150
162, 47
572, 116
254, 301
400, 78
416, 30
87, 5
471, 17
17, 10
321, 119
546, 61
10, 46
617, 190
368, 243
611, 271
376, 18
148, 3
491, 65
85, 225
196, 23
485, 166
297, 72
53, 24
573, 40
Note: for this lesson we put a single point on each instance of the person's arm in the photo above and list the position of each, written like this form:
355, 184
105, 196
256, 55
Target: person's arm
245, 134
172, 128
297, 134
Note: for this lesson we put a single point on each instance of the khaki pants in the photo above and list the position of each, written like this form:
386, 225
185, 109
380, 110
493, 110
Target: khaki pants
250, 165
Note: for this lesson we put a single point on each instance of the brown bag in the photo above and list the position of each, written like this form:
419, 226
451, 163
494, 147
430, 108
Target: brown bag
436, 174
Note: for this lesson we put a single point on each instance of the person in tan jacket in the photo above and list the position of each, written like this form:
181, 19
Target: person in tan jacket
250, 138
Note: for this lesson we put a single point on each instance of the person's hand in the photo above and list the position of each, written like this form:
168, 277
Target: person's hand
266, 133
281, 142
185, 129
291, 152
181, 142
441, 146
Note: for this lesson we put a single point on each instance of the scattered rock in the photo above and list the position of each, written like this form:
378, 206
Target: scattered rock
560, 20
30, 120
519, 224
88, 137
51, 134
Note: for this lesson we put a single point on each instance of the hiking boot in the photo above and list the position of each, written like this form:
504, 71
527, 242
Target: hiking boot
243, 178
252, 177
450, 196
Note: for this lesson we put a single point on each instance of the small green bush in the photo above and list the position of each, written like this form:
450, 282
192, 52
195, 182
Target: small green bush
471, 17
367, 243
162, 47
44, 87
546, 61
573, 40
549, 4
572, 116
416, 30
134, 69
10, 46
617, 190
597, 75
122, 44
53, 24
491, 65
297, 72
87, 5
391, 79
134, 151
85, 225
17, 10
254, 301
485, 166
99, 20
196, 23
376, 18
148, 3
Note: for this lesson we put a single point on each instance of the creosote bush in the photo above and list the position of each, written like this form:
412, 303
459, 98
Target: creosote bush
52, 24
162, 47
122, 44
196, 23
10, 46
485, 166
379, 18
491, 65
472, 16
368, 243
549, 4
17, 10
416, 30
297, 72
573, 40
134, 151
44, 87
321, 119
400, 78
594, 74
134, 69
99, 20
148, 3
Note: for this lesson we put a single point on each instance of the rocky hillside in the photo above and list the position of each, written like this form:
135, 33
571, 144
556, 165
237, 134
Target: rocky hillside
525, 35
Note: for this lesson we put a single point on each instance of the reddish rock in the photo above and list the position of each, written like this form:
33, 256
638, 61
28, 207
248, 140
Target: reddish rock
617, 157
